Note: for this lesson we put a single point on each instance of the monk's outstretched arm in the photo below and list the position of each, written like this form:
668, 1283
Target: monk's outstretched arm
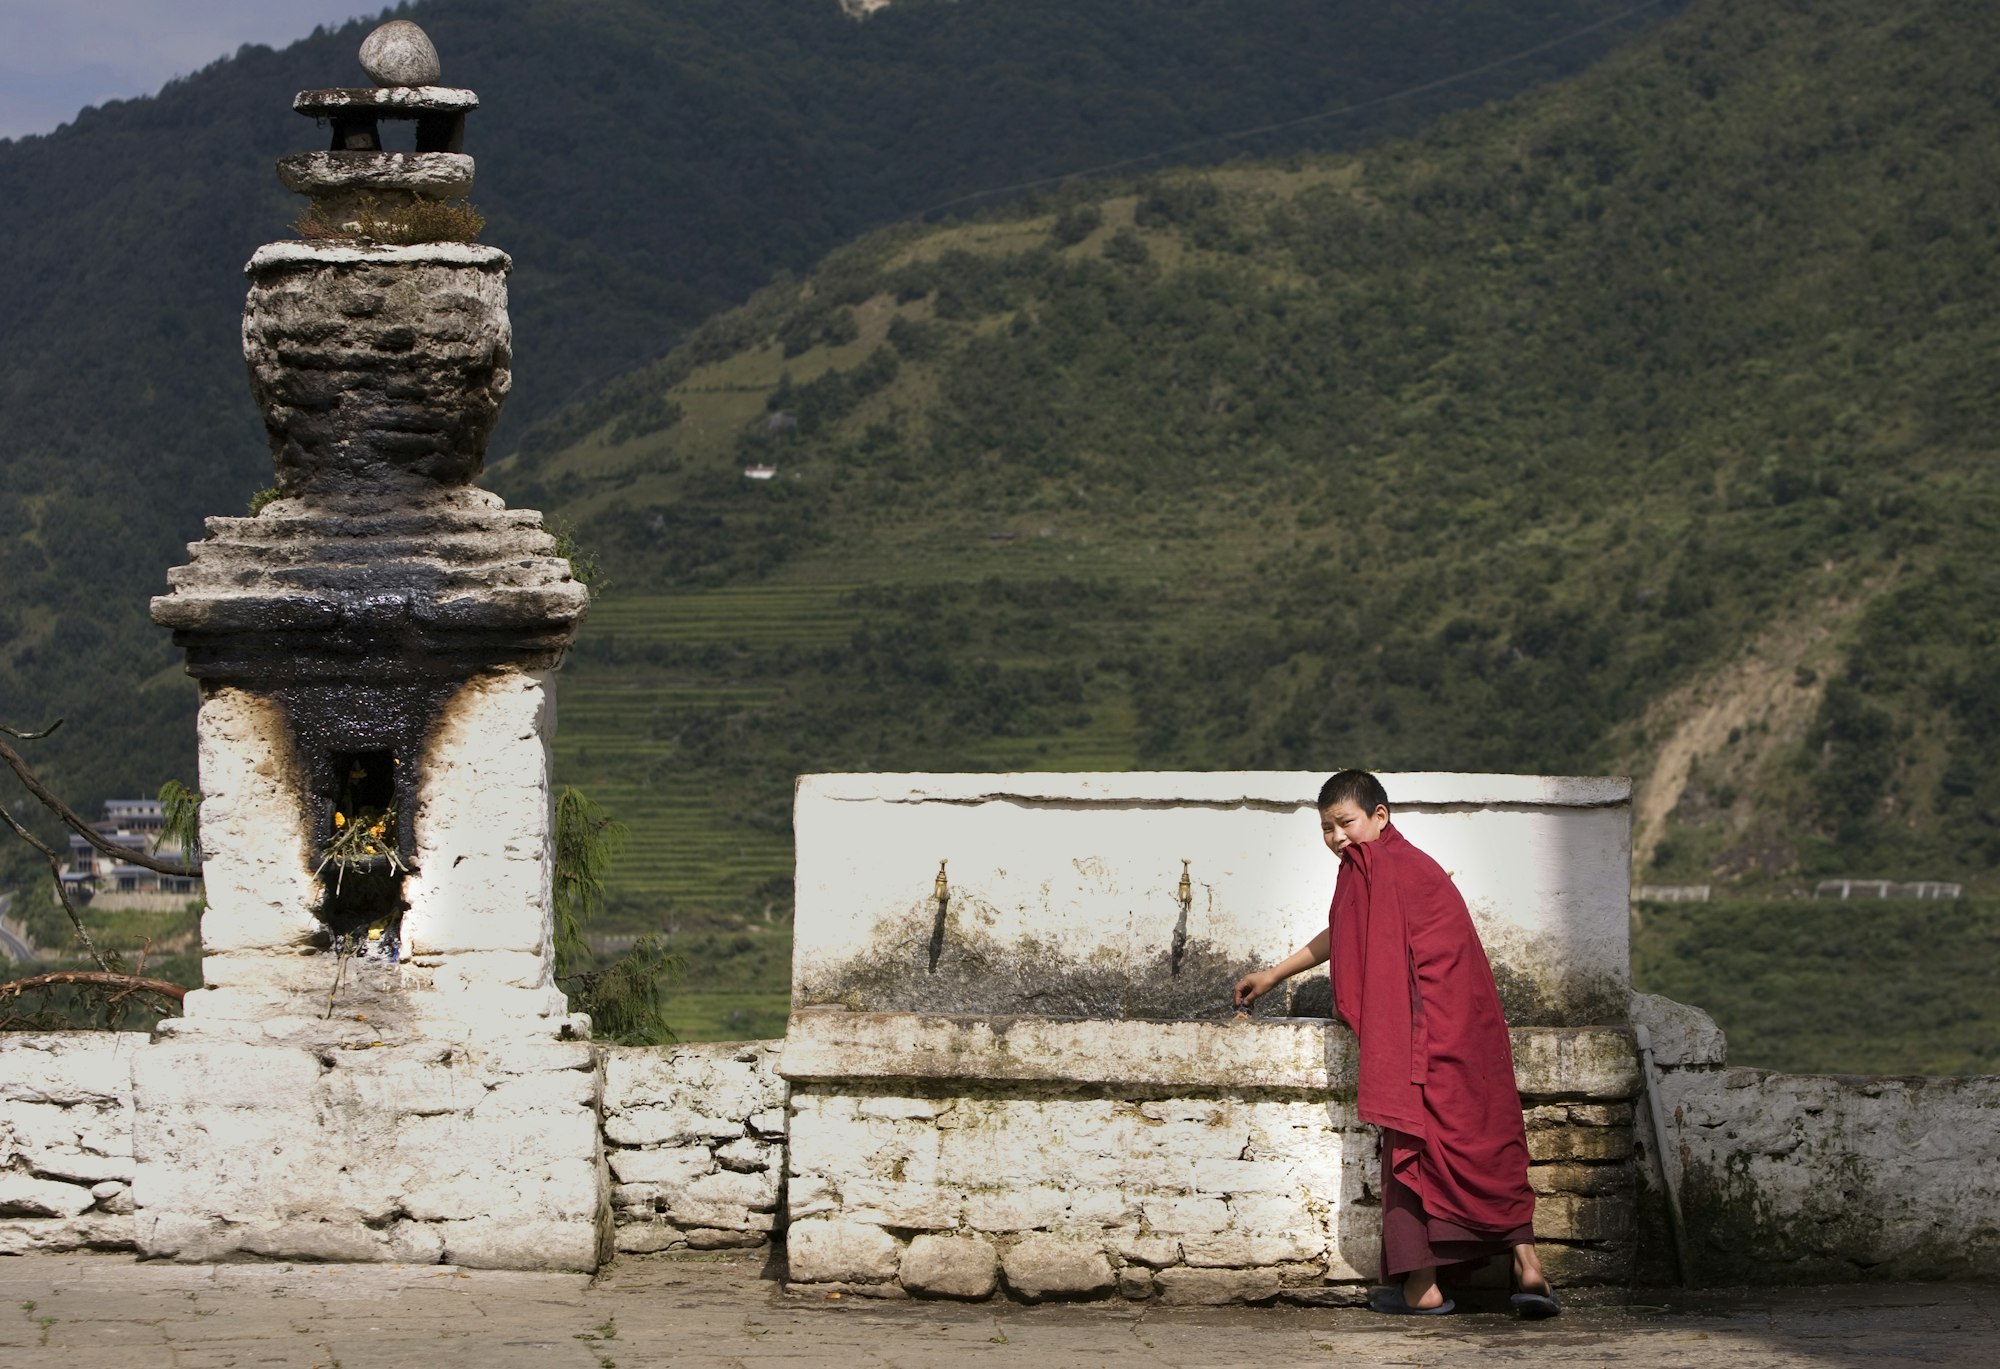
1257, 983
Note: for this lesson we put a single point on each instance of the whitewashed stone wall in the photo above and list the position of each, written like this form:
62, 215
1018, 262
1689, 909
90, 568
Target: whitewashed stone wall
1193, 1162
1788, 1178
695, 1136
1063, 891
363, 1150
66, 1165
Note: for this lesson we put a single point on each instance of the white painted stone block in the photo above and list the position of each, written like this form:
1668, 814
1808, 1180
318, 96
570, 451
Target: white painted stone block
667, 1126
809, 1196
1682, 1036
903, 1205
1015, 1209
720, 1216
757, 1192
1108, 1207
1186, 1217
820, 1250
22, 1195
668, 1166
950, 1266
643, 1196
1047, 1265
646, 1238
375, 1154
1237, 1249
749, 1156
1156, 1251
484, 823
95, 1230
256, 873
1821, 1177
66, 1069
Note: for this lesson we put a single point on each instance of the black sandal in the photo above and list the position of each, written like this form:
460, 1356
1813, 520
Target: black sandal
1537, 1306
1391, 1301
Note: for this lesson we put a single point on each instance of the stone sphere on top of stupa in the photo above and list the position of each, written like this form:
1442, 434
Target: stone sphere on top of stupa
400, 54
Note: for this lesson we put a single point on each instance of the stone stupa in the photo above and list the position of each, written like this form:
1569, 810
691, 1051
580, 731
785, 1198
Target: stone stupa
379, 1064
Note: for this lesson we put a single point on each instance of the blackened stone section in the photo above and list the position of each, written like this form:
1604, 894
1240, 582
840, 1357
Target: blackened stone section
333, 727
977, 974
355, 133
379, 370
361, 893
356, 899
439, 112
440, 133
449, 584
1312, 996
332, 723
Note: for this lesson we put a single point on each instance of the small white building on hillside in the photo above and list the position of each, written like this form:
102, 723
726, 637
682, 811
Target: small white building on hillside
107, 882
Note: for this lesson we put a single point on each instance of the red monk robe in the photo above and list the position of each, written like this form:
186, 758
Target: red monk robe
1437, 1069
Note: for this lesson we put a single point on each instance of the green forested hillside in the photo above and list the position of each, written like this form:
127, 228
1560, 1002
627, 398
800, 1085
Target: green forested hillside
1642, 424
647, 162
1871, 986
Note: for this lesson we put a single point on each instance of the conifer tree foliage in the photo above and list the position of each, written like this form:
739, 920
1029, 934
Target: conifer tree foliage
626, 996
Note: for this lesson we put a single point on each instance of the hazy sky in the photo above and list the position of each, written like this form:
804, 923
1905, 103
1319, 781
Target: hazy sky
56, 56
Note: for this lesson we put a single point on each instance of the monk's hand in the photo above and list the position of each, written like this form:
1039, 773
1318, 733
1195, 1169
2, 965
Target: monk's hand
1252, 987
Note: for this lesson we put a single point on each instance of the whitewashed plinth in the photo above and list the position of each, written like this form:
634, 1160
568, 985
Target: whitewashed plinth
954, 1156
413, 1152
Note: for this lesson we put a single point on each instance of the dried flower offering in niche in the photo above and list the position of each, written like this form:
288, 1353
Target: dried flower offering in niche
363, 837
356, 845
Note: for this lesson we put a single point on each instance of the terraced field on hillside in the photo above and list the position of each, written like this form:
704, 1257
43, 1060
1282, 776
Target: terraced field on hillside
664, 683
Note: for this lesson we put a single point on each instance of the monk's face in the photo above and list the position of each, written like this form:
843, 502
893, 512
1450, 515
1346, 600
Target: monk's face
1345, 823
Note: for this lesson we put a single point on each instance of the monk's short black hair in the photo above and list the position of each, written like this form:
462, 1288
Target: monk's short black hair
1356, 786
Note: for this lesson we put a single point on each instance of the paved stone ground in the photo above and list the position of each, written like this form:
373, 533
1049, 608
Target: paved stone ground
111, 1312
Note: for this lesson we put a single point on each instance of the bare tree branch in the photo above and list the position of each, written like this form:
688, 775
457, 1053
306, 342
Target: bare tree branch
124, 984
75, 821
55, 873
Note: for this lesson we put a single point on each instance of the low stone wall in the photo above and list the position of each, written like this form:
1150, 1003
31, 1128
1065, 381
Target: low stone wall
696, 1139
1788, 1178
1193, 1162
418, 1152
66, 1163
965, 1156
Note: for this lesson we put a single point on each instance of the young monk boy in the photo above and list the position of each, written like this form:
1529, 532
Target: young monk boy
1437, 1070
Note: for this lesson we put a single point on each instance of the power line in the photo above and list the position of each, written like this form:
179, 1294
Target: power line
1261, 129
